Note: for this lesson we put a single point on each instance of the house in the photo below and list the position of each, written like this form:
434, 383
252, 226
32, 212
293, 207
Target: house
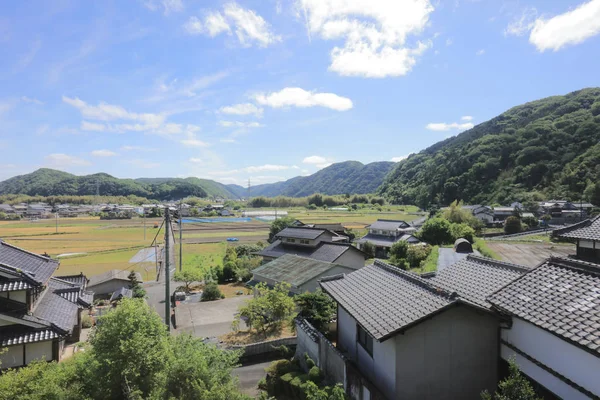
111, 281
301, 272
225, 213
383, 233
40, 210
38, 313
6, 209
313, 243
337, 227
587, 236
416, 338
20, 208
121, 293
483, 213
552, 327
501, 213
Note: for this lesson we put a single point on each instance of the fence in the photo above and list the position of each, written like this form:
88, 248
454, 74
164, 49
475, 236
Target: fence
266, 347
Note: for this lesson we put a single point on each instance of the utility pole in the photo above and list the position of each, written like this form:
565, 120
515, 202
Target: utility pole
56, 218
180, 245
144, 213
167, 266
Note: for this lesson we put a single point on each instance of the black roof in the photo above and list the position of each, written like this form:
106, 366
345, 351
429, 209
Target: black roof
56, 309
40, 268
389, 224
385, 300
561, 296
22, 336
475, 278
588, 230
301, 232
324, 251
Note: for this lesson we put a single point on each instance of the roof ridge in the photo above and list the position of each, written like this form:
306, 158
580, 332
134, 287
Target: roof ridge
416, 280
29, 252
391, 220
581, 224
573, 263
498, 263
332, 278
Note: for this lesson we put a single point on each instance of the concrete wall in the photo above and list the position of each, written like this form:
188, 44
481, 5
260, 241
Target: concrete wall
568, 360
454, 355
17, 295
351, 259
38, 351
269, 346
108, 287
13, 357
346, 340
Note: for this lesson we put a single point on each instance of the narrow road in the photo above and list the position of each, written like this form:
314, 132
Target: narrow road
249, 375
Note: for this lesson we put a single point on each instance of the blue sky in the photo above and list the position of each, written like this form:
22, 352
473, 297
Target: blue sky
270, 89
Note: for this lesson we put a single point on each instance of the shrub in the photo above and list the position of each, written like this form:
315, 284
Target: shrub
314, 375
512, 225
309, 361
368, 248
317, 307
211, 292
436, 231
399, 250
86, 321
228, 272
458, 231
531, 222
417, 254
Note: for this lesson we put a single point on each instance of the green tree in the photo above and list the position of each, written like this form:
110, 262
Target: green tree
136, 286
592, 193
188, 276
417, 254
278, 225
398, 250
436, 231
514, 387
368, 248
458, 231
512, 225
317, 307
269, 308
211, 292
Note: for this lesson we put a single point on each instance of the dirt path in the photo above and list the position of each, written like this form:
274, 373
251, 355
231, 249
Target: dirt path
529, 254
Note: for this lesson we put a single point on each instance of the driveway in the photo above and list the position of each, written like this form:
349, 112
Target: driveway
249, 375
529, 255
447, 257
210, 318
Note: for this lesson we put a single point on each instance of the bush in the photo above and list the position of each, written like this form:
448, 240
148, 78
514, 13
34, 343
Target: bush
417, 254
314, 375
531, 222
436, 231
211, 292
309, 361
399, 250
228, 272
86, 321
368, 248
512, 225
458, 231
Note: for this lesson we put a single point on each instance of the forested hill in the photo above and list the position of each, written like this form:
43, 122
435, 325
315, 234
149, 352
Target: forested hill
49, 182
350, 177
543, 149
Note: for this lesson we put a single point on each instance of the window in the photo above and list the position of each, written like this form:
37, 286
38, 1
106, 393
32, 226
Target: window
365, 340
304, 241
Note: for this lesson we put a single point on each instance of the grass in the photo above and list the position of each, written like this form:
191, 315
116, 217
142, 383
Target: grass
202, 256
483, 248
232, 289
430, 263
253, 336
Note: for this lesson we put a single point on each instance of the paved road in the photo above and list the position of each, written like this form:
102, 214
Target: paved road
447, 257
209, 319
249, 375
529, 255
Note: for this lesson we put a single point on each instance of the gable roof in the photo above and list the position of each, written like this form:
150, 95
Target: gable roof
301, 232
389, 224
385, 300
294, 270
117, 274
561, 296
588, 230
475, 278
324, 251
335, 227
39, 268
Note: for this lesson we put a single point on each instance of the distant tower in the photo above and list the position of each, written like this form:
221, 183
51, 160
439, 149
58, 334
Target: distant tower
97, 200
248, 184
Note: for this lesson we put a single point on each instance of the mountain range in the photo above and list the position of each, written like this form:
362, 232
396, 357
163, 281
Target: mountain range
549, 148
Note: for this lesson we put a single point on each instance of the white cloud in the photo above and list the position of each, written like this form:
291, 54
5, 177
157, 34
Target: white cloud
196, 160
92, 126
570, 28
168, 6
103, 153
249, 27
398, 159
110, 112
480, 52
442, 126
26, 99
61, 160
192, 141
449, 42
137, 148
28, 57
228, 140
294, 96
522, 24
242, 109
240, 124
466, 118
266, 167
374, 33
318, 161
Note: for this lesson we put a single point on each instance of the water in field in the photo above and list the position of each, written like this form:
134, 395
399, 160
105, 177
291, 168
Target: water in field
214, 220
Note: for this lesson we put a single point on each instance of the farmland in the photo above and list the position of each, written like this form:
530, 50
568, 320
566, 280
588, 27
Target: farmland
92, 246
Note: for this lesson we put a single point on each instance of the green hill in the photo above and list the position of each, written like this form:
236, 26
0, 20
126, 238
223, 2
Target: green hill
543, 149
350, 177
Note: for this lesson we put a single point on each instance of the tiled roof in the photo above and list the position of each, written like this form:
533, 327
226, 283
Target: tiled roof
293, 269
56, 309
12, 285
110, 275
27, 336
301, 233
325, 251
389, 224
588, 229
561, 296
39, 267
71, 291
79, 280
384, 299
386, 241
122, 292
474, 278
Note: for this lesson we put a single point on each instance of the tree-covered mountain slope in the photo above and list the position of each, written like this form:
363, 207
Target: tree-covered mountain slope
350, 177
547, 148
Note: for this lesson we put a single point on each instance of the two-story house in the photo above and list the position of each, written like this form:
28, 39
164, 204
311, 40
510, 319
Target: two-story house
586, 235
553, 327
383, 233
38, 312
417, 338
318, 244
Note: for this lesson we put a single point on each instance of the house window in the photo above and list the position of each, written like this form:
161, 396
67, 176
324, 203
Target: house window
365, 340
304, 241
290, 240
